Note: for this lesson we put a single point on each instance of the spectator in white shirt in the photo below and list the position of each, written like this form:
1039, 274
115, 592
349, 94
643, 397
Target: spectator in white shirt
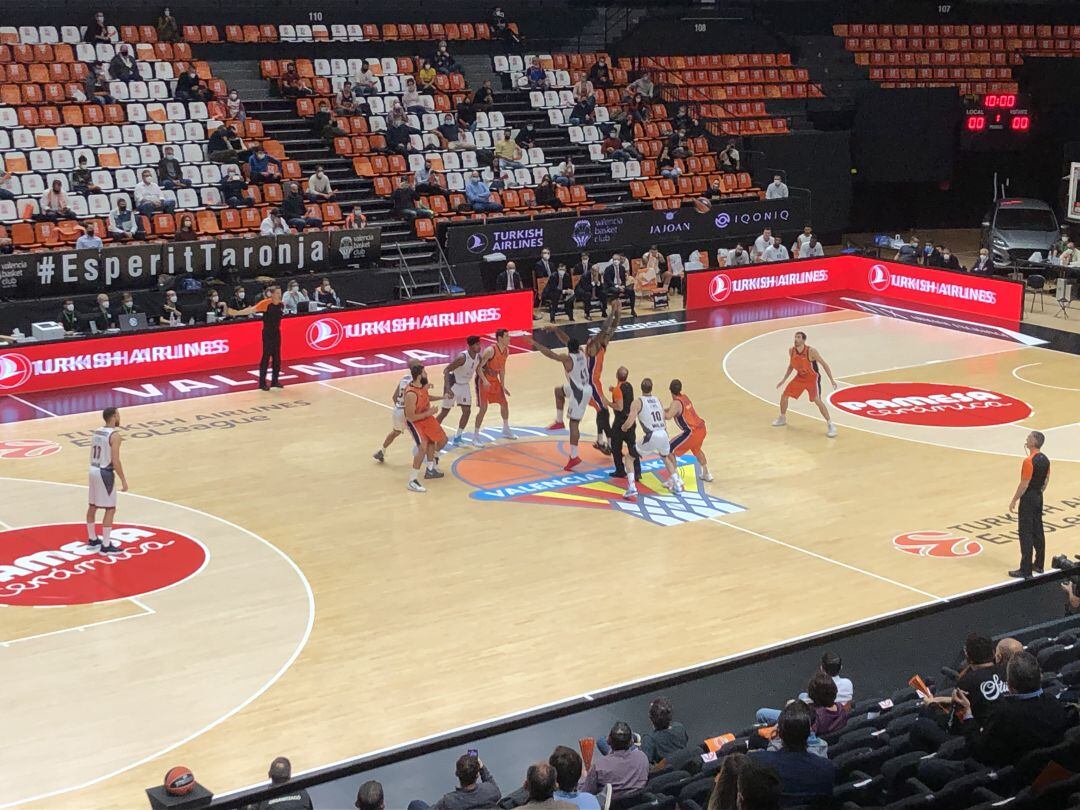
809, 249
564, 174
294, 298
777, 189
762, 242
54, 204
274, 224
149, 198
776, 253
318, 187
804, 237
365, 82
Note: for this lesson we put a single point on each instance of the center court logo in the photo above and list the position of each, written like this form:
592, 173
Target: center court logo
15, 370
720, 287
53, 565
936, 544
931, 404
879, 277
324, 334
532, 473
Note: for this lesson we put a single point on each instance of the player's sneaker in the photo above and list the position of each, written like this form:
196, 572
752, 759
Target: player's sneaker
95, 542
416, 486
572, 463
779, 421
436, 473
276, 385
379, 456
603, 448
630, 495
506, 434
110, 549
456, 441
708, 479
619, 477
557, 426
831, 432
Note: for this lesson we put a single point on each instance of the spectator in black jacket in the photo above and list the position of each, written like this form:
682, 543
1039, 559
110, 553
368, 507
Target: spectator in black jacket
949, 260
294, 211
484, 96
170, 172
443, 61
476, 788
667, 736
526, 137
405, 202
188, 86
600, 74
233, 185
509, 279
326, 295
97, 31
122, 68
546, 194
559, 292
590, 290
1017, 723
619, 282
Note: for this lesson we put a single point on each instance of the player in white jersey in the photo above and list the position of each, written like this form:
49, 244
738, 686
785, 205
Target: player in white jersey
105, 467
458, 380
574, 394
397, 416
649, 411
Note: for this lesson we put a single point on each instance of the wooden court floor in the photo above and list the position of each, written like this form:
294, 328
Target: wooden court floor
337, 613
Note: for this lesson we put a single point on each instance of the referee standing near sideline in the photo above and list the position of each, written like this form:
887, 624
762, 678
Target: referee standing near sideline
622, 398
272, 311
1034, 476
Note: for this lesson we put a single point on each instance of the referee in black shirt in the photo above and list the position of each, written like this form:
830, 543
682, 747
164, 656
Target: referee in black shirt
622, 399
1034, 476
272, 310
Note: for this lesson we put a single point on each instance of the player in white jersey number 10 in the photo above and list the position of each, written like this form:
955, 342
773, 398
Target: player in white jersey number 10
105, 468
648, 410
397, 418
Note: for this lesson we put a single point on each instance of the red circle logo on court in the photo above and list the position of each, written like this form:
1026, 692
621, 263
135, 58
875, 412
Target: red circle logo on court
54, 565
719, 287
936, 544
28, 448
325, 333
931, 404
879, 277
15, 370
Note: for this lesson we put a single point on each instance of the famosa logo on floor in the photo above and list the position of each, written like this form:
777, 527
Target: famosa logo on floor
532, 472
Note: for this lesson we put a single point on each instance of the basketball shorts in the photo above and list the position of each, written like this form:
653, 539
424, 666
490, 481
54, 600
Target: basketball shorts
427, 429
493, 394
577, 402
398, 419
811, 385
655, 442
688, 441
462, 393
102, 488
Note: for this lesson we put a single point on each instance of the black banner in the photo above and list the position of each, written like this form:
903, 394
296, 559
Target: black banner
65, 272
622, 231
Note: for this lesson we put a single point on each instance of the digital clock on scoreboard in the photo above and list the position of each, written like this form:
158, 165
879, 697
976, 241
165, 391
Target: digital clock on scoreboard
996, 120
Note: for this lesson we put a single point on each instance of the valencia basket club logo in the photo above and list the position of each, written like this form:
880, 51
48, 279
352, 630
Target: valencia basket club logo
15, 370
532, 473
931, 404
879, 277
325, 334
936, 544
54, 565
28, 448
720, 287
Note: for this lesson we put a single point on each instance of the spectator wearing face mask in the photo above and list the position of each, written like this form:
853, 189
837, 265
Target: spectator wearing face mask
325, 295
166, 26
294, 298
949, 261
479, 195
233, 187
215, 306
89, 239
777, 189
239, 297
122, 68
69, 318
97, 31
125, 224
102, 317
983, 265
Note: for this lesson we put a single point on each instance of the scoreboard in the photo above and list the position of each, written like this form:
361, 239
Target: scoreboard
996, 121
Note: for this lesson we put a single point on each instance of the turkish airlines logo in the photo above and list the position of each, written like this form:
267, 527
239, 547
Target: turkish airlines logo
15, 370
879, 277
931, 404
54, 565
28, 448
324, 334
936, 544
719, 287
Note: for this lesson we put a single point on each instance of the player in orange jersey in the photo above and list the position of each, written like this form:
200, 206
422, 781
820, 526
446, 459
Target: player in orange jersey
424, 427
691, 428
491, 384
805, 361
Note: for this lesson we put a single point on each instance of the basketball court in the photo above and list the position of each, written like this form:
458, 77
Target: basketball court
281, 593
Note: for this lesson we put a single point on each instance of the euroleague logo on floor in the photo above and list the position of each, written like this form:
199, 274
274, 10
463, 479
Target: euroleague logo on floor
931, 404
719, 287
28, 448
936, 544
54, 565
15, 370
325, 333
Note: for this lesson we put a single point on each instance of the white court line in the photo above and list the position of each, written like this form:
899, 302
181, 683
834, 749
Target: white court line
922, 363
143, 605
1041, 385
512, 346
822, 557
823, 304
80, 628
251, 699
325, 384
32, 405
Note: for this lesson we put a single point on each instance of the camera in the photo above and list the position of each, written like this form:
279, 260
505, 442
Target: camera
1062, 562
